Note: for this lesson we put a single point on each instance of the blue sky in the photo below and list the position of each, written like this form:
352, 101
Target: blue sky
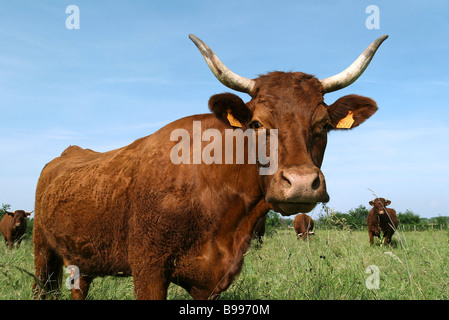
130, 69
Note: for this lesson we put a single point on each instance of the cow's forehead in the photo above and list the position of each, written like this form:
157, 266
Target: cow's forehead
294, 101
293, 91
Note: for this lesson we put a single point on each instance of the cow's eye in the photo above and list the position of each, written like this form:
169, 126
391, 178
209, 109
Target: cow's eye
256, 125
325, 127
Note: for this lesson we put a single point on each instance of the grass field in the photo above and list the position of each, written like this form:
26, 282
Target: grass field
331, 266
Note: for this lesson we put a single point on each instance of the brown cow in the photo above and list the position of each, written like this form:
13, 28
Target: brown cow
13, 226
259, 228
135, 212
381, 218
303, 225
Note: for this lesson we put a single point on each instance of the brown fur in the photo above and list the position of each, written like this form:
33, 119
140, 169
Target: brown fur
13, 226
303, 225
381, 218
132, 212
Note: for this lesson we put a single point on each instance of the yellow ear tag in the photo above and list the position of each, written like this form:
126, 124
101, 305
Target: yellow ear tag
346, 122
233, 121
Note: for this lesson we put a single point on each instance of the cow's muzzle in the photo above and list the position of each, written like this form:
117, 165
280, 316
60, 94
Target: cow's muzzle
297, 189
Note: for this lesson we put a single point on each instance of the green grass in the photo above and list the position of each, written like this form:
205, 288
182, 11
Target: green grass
331, 266
15, 266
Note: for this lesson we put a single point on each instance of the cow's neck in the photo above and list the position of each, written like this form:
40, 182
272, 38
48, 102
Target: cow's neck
234, 226
226, 201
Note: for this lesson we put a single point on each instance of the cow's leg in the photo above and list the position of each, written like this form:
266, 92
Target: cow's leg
48, 266
371, 237
212, 293
18, 242
150, 284
259, 238
387, 237
8, 241
81, 287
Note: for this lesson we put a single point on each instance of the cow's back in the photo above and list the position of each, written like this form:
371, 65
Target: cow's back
302, 223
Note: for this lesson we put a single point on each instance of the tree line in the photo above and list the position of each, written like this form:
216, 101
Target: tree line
355, 219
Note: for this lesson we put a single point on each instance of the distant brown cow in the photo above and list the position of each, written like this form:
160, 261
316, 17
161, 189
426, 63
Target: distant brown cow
135, 212
303, 225
13, 226
381, 218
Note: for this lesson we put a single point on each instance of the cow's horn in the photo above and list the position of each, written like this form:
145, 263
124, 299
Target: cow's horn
355, 70
221, 72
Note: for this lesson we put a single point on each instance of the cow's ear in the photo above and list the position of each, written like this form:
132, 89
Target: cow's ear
9, 213
350, 111
387, 202
230, 109
371, 203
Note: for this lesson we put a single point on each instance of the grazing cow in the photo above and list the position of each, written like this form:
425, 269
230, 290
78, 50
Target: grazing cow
381, 218
259, 228
303, 225
13, 226
135, 212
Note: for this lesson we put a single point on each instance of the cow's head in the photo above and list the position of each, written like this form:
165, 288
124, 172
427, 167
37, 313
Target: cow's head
293, 103
380, 205
18, 217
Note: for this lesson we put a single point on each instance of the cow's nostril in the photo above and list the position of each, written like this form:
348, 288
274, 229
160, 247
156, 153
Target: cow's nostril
299, 184
316, 183
287, 181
